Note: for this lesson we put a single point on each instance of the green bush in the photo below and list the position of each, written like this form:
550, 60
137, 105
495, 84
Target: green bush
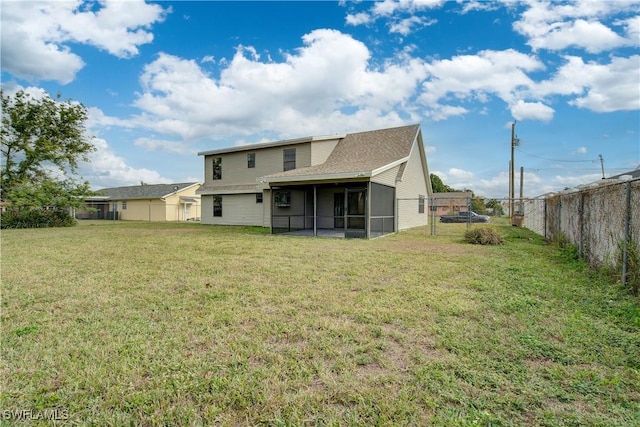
36, 218
483, 236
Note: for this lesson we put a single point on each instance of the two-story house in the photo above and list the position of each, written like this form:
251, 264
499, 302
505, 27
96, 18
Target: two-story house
356, 185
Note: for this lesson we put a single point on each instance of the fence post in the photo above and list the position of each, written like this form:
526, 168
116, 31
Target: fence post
559, 219
544, 220
627, 235
581, 219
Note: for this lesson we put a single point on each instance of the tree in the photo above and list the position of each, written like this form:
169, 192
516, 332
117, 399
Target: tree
438, 186
494, 204
478, 206
42, 142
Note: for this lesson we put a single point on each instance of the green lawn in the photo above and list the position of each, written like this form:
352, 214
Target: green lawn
116, 323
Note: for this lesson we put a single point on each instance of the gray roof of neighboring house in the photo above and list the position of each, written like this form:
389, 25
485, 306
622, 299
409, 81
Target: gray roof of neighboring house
362, 152
147, 191
634, 174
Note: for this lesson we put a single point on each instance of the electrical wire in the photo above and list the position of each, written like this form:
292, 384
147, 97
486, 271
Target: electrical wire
558, 160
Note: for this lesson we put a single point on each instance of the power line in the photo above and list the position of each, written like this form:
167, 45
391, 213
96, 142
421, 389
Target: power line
558, 160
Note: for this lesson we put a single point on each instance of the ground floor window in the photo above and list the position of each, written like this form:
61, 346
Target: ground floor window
282, 199
258, 197
421, 204
124, 205
217, 206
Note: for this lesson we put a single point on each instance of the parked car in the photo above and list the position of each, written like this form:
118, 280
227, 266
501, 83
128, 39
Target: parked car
467, 216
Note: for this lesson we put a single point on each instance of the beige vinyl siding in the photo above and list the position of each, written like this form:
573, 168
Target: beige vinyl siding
266, 208
142, 210
325, 206
387, 177
237, 209
320, 151
267, 161
412, 185
175, 209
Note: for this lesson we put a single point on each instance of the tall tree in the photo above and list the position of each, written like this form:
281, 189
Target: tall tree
43, 139
438, 186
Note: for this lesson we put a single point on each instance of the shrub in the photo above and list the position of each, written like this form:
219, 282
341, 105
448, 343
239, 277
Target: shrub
36, 218
483, 236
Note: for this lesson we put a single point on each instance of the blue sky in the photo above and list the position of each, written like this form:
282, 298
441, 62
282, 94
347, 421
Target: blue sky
165, 80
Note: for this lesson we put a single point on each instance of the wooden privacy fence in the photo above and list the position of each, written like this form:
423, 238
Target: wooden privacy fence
602, 220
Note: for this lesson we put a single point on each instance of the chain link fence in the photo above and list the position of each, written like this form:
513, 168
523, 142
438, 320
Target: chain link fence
602, 221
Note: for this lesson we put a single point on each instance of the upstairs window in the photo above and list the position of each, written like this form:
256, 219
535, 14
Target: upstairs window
289, 159
251, 160
217, 168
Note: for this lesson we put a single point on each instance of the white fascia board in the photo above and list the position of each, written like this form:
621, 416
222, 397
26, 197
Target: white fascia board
389, 166
318, 177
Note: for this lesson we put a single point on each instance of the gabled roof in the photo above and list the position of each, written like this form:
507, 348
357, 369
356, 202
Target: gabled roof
633, 174
153, 191
359, 154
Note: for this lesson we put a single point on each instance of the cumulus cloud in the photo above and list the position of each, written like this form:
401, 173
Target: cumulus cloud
596, 86
479, 77
313, 90
106, 169
522, 110
557, 26
36, 34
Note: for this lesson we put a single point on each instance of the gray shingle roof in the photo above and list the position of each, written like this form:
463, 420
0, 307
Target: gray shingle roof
153, 191
363, 152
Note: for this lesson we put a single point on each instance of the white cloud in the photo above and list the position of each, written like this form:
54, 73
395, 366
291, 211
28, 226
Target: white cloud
456, 173
152, 144
324, 86
522, 110
408, 25
35, 34
477, 77
439, 112
403, 15
581, 150
597, 87
556, 26
361, 18
106, 169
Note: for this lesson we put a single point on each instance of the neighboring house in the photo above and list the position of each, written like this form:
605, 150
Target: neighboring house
356, 185
156, 202
452, 202
628, 175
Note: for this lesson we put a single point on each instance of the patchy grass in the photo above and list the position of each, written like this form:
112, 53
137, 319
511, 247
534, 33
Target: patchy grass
121, 323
